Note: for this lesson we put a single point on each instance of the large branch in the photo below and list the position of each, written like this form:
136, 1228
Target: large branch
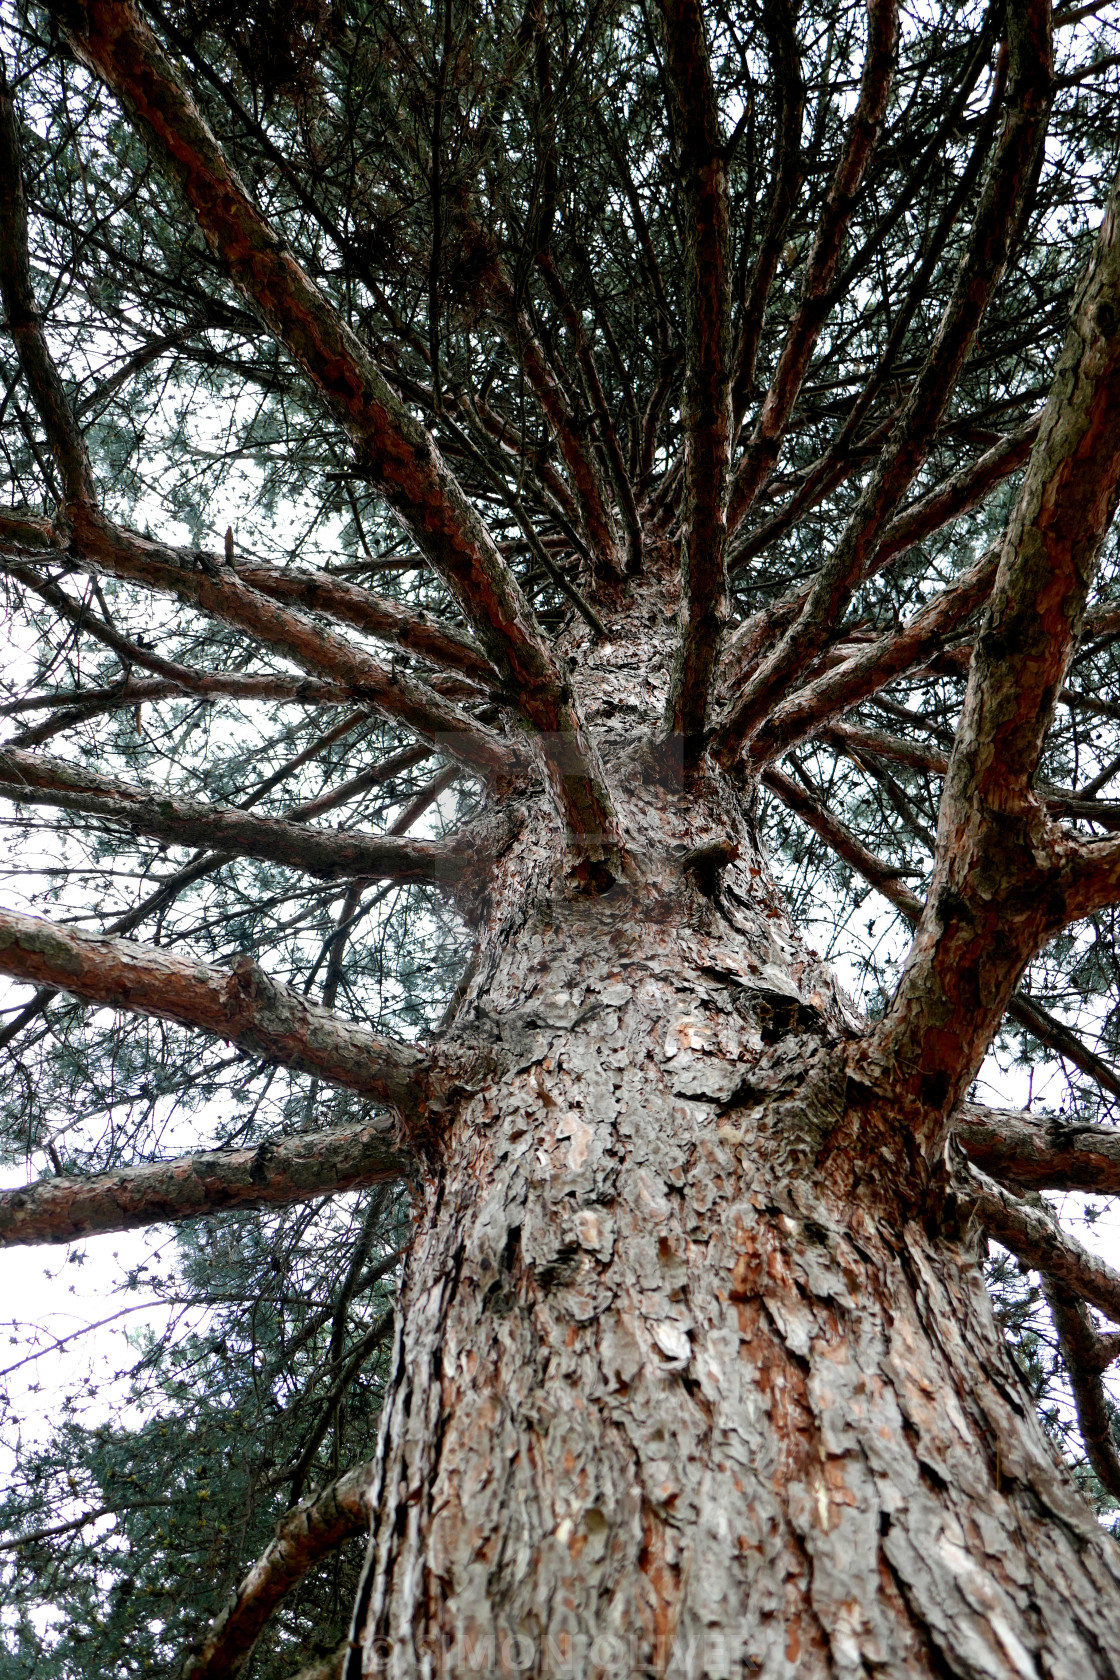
203, 582
1081, 1350
765, 441
315, 1527
405, 627
1031, 1233
874, 666
34, 779
979, 274
1039, 1153
241, 1005
887, 881
111, 38
779, 19
1006, 878
281, 1170
706, 399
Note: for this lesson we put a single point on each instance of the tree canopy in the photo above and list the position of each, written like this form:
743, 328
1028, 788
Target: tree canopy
366, 367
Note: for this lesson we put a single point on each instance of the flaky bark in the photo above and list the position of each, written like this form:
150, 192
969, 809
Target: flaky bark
681, 1385
295, 1169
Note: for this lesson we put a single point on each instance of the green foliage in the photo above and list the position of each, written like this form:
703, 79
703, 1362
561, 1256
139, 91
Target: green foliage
207, 1446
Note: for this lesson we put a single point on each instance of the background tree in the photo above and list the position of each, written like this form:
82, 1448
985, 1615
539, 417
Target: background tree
518, 522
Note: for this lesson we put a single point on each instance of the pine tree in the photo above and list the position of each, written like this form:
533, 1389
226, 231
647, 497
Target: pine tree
517, 523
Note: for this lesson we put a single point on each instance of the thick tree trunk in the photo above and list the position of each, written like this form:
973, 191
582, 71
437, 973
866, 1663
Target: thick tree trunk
696, 1372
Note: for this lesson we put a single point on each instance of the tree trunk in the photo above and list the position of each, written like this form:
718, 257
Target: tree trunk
696, 1372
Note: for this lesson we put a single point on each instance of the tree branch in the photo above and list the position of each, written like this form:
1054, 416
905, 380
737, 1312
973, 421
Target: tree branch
1036, 1153
276, 1172
24, 321
1031, 93
203, 582
315, 1527
955, 495
405, 627
1080, 1347
111, 38
31, 778
874, 666
844, 843
1007, 878
1033, 1235
766, 439
241, 1005
778, 20
706, 399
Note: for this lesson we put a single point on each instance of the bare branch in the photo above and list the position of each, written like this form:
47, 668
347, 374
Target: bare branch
315, 1527
1053, 1033
241, 1005
874, 666
203, 582
844, 843
986, 254
405, 627
23, 318
1080, 1347
765, 441
1035, 1237
276, 1172
955, 495
1040, 1153
623, 489
115, 43
31, 778
778, 20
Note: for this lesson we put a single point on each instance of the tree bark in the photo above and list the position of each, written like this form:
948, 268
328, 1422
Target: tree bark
696, 1373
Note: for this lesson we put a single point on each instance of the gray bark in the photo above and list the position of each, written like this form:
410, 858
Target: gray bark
696, 1373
